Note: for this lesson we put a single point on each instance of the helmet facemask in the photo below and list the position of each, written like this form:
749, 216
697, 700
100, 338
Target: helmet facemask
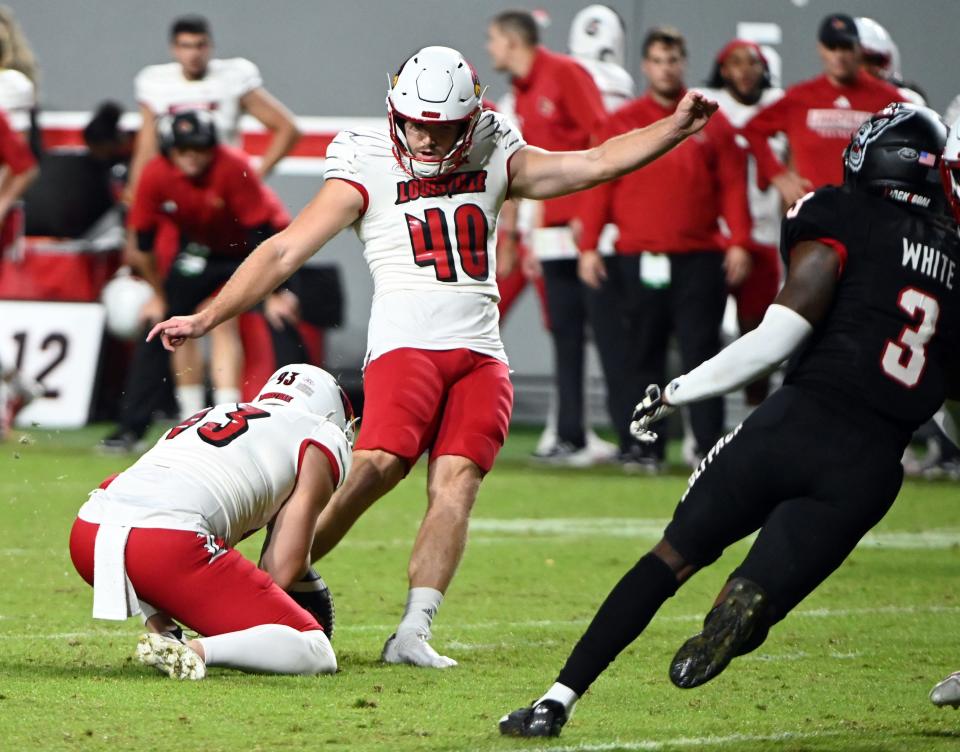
427, 167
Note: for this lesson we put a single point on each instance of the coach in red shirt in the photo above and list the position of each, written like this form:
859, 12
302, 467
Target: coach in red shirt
818, 116
221, 211
672, 264
558, 107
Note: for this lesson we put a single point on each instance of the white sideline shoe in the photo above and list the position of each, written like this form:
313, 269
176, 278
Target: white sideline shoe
170, 657
412, 648
947, 692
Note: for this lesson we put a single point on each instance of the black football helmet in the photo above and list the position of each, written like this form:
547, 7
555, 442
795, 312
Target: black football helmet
185, 130
897, 153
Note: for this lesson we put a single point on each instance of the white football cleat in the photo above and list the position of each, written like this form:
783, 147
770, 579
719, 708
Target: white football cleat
170, 657
411, 647
947, 692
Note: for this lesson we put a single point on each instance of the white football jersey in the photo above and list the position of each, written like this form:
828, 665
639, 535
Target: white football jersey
430, 243
164, 90
225, 472
765, 206
17, 98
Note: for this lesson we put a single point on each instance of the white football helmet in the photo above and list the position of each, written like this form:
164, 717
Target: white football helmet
876, 40
436, 85
597, 33
312, 390
124, 297
950, 169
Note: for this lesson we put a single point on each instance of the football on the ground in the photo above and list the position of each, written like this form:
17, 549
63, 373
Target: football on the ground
313, 595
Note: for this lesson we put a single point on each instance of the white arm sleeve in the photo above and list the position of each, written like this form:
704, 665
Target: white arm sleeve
780, 333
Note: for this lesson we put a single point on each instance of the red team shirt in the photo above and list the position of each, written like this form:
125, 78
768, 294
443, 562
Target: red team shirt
818, 118
672, 204
558, 108
216, 209
14, 152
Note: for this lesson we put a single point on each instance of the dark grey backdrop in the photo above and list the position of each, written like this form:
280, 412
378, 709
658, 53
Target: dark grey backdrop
332, 58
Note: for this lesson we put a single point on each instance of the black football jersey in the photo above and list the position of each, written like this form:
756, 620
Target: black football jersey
891, 339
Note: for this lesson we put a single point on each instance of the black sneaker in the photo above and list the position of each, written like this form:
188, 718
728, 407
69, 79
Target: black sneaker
726, 630
565, 454
122, 441
545, 718
312, 594
636, 459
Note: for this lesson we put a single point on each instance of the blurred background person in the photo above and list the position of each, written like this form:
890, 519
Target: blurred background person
18, 77
557, 106
673, 266
881, 58
226, 88
221, 211
819, 115
740, 83
18, 169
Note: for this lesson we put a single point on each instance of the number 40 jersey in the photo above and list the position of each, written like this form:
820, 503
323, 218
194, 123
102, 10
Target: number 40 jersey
225, 472
430, 243
891, 340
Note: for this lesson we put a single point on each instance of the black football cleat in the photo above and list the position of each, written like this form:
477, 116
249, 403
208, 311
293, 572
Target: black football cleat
726, 630
544, 718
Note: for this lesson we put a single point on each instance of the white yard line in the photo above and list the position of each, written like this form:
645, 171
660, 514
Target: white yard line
819, 613
691, 741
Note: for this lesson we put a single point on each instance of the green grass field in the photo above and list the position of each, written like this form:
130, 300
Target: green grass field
850, 670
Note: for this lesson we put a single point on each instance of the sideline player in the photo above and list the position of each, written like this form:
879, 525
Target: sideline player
740, 83
874, 331
221, 210
423, 196
162, 542
196, 80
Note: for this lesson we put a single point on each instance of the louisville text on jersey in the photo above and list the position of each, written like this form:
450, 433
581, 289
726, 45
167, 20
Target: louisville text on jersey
448, 185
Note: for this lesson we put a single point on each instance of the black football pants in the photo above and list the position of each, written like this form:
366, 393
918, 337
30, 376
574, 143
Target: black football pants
812, 476
570, 306
690, 308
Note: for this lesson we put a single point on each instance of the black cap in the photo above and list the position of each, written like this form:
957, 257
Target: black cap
838, 28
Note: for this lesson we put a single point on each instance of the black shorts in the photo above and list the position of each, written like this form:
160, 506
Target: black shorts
186, 289
812, 476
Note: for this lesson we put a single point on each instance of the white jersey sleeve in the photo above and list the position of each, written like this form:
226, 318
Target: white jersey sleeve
225, 472
430, 243
17, 98
244, 75
330, 440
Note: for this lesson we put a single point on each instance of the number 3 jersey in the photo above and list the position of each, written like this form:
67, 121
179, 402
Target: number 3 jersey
226, 471
891, 339
430, 243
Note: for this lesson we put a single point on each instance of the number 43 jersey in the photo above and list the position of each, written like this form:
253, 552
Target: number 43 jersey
226, 471
430, 243
891, 339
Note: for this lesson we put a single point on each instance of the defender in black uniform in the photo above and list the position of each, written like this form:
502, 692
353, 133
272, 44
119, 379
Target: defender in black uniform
870, 317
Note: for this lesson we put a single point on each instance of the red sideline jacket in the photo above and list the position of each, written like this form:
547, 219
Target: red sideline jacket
672, 205
818, 117
216, 209
559, 108
14, 152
